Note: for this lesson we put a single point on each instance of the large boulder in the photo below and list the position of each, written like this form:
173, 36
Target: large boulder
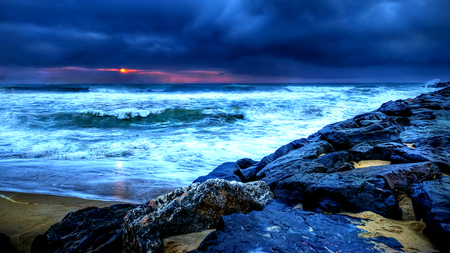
291, 231
431, 201
367, 189
90, 229
190, 209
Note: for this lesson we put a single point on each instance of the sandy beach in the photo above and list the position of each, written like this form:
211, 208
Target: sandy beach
23, 215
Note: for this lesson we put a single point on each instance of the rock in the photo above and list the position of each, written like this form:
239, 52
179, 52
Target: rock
430, 127
291, 231
395, 108
431, 202
249, 173
346, 138
439, 85
366, 189
90, 229
5, 244
229, 171
190, 209
244, 163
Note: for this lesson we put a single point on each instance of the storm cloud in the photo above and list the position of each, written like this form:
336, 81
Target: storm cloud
334, 39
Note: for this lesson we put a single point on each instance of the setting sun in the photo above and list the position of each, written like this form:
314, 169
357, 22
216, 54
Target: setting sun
123, 70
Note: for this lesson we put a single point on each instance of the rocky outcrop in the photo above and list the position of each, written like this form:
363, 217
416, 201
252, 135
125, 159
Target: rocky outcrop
431, 201
291, 231
439, 85
190, 209
90, 229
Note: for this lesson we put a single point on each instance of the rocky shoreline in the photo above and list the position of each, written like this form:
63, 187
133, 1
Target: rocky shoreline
302, 198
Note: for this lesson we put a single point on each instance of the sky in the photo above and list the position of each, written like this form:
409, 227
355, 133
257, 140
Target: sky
224, 41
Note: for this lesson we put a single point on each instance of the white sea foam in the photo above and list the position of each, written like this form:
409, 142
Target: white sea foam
432, 82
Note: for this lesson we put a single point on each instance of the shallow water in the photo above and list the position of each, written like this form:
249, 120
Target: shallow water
134, 142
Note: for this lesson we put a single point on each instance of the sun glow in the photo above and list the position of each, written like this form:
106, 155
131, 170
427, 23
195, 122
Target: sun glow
123, 70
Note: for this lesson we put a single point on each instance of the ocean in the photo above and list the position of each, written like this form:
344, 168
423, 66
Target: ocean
134, 142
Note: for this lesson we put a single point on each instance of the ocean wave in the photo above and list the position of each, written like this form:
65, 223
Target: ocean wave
45, 88
432, 82
136, 118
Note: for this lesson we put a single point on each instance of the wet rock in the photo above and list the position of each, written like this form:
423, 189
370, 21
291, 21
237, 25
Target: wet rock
90, 229
229, 171
395, 108
346, 138
244, 163
291, 231
249, 173
5, 244
190, 209
439, 85
431, 201
430, 128
372, 188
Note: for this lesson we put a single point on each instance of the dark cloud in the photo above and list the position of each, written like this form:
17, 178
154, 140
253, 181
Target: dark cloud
253, 37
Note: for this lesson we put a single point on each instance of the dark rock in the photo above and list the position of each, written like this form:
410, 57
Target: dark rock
290, 231
190, 209
362, 151
373, 188
346, 138
90, 229
229, 171
244, 163
439, 85
249, 173
294, 162
431, 202
395, 108
5, 244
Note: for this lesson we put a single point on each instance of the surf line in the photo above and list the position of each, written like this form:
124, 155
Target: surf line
12, 200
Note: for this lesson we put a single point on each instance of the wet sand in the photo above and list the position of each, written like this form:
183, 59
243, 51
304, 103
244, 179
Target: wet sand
23, 215
408, 233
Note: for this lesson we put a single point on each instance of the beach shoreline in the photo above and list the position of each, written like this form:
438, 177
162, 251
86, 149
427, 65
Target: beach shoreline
23, 216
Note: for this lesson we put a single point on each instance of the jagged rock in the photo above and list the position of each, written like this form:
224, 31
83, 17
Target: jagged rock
395, 108
291, 231
346, 138
249, 174
431, 202
229, 171
244, 163
439, 85
430, 127
5, 244
90, 229
366, 189
190, 209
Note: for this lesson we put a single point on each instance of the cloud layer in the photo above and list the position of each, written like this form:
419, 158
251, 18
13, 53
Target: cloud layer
298, 40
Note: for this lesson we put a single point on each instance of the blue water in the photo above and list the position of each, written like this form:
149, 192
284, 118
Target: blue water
134, 142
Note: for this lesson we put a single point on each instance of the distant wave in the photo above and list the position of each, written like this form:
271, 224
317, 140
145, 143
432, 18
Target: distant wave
140, 118
46, 88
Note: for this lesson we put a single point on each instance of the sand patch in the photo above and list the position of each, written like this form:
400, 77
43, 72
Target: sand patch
410, 145
370, 163
24, 216
408, 233
185, 243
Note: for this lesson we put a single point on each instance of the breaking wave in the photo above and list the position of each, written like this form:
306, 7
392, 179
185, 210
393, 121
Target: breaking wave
140, 118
